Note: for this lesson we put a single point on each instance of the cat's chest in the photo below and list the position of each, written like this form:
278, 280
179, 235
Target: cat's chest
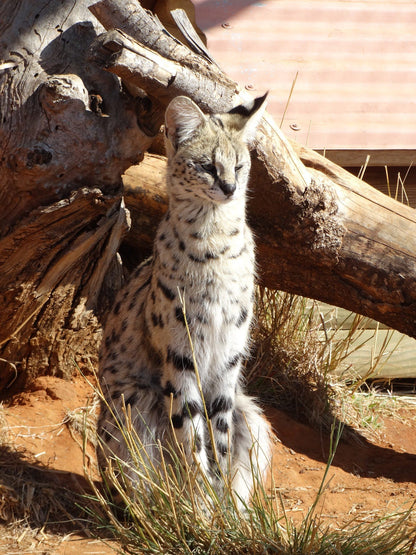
216, 270
212, 280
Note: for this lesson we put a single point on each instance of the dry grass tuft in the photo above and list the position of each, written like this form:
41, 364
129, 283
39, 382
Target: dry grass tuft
298, 365
289, 367
83, 421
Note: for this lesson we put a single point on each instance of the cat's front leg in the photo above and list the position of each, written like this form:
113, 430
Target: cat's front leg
185, 409
221, 410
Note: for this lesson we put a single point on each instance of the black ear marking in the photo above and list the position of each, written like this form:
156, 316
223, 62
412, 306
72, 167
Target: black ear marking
247, 111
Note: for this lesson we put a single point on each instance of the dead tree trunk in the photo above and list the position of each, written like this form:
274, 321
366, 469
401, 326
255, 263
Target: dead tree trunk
68, 130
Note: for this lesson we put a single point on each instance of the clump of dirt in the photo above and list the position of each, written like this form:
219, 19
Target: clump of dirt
42, 466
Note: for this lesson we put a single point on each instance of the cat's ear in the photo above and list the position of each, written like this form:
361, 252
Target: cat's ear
182, 119
247, 117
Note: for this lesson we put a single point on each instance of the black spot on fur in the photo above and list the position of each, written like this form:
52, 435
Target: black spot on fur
194, 219
155, 380
179, 315
124, 325
222, 425
140, 384
218, 121
116, 309
180, 362
136, 293
201, 319
132, 399
242, 318
177, 421
198, 443
222, 449
207, 297
114, 338
220, 404
195, 258
207, 256
232, 362
154, 319
169, 390
145, 284
169, 294
105, 434
181, 245
191, 409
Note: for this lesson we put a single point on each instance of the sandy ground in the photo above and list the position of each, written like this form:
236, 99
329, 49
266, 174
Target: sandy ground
367, 478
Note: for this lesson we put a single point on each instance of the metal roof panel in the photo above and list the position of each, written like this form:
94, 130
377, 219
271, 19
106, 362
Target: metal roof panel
354, 63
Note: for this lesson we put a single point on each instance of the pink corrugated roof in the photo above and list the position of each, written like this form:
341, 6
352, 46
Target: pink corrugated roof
355, 63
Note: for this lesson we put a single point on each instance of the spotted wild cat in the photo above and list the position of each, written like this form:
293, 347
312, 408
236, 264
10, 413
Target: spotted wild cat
203, 263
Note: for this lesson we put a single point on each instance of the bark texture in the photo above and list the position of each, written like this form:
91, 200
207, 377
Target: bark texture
68, 130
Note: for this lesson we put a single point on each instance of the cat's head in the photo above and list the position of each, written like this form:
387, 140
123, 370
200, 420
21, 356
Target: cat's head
208, 155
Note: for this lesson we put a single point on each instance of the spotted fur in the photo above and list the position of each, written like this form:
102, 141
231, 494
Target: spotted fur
201, 276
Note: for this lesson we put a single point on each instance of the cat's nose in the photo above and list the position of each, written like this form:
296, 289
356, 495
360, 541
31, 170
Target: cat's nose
227, 188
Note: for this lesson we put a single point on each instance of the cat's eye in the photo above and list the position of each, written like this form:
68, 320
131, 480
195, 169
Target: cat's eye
238, 168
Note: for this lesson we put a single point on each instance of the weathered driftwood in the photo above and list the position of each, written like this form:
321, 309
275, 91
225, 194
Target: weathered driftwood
68, 130
321, 232
67, 133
